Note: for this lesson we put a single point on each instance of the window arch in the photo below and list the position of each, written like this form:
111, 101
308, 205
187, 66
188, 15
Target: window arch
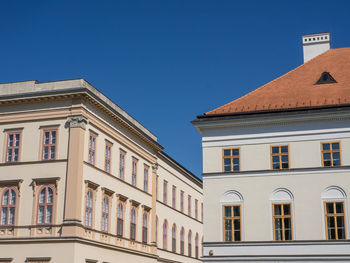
105, 214
282, 214
173, 238
133, 224
8, 207
182, 241
190, 243
88, 208
196, 243
120, 219
165, 234
144, 227
45, 205
334, 202
232, 202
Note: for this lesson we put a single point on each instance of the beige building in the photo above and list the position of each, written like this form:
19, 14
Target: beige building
276, 166
82, 181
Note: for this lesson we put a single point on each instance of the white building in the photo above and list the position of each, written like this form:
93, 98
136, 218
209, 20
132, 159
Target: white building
276, 166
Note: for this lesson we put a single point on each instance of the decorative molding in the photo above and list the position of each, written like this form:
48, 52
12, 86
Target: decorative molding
146, 208
122, 198
78, 121
155, 167
134, 202
91, 184
107, 191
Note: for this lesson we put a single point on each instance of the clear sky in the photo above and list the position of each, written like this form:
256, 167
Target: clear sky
164, 62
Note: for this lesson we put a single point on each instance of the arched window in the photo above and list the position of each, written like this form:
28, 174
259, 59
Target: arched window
88, 208
144, 227
157, 230
8, 207
165, 234
105, 213
120, 220
45, 205
202, 246
232, 203
133, 224
190, 243
182, 241
173, 238
282, 207
334, 213
196, 252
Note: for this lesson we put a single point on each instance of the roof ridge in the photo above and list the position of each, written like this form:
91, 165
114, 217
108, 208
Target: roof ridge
272, 81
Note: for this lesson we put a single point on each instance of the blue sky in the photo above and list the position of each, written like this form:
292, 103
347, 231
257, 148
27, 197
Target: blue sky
164, 62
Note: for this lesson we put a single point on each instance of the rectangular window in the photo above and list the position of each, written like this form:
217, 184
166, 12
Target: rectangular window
165, 192
335, 220
182, 194
189, 205
145, 178
282, 222
202, 212
279, 157
92, 148
157, 180
196, 208
232, 223
331, 154
174, 197
122, 165
231, 160
108, 151
49, 145
13, 146
134, 172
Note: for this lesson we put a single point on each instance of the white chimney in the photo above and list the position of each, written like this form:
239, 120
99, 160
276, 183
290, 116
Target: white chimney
315, 44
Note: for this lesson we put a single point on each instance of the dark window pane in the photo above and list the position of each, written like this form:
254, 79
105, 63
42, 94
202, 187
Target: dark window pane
335, 146
235, 151
227, 152
284, 149
237, 236
340, 222
330, 222
287, 223
237, 224
275, 149
278, 223
329, 208
326, 156
236, 210
277, 210
228, 211
339, 207
341, 233
331, 233
327, 163
278, 234
336, 162
286, 209
285, 165
326, 146
288, 234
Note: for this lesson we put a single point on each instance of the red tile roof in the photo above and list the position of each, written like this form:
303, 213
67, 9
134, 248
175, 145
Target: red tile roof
297, 89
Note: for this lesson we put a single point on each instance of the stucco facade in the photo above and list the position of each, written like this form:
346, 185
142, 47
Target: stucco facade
84, 175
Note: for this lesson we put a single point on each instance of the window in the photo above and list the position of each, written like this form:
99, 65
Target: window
157, 230
279, 157
108, 157
182, 194
49, 145
133, 224
174, 197
335, 220
196, 252
134, 172
190, 243
8, 207
173, 238
232, 223
331, 154
92, 148
120, 220
231, 160
145, 178
202, 212
196, 208
182, 241
189, 205
165, 192
122, 165
144, 228
45, 205
105, 214
13, 146
157, 179
88, 208
282, 221
165, 234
